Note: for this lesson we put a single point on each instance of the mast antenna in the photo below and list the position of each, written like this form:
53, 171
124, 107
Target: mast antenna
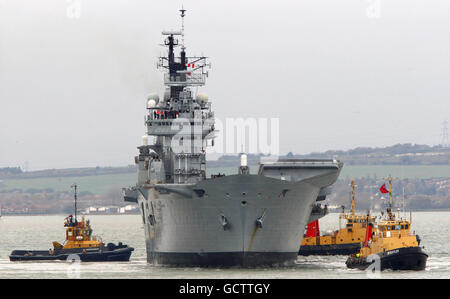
182, 10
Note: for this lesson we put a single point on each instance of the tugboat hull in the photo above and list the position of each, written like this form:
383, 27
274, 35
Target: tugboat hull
335, 249
116, 254
408, 258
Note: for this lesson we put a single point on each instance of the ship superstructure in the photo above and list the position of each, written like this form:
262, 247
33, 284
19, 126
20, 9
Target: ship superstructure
191, 219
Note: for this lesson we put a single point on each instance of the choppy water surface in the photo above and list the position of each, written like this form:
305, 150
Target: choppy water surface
38, 232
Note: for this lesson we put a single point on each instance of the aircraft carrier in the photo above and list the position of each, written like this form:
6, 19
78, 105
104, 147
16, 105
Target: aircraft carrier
191, 219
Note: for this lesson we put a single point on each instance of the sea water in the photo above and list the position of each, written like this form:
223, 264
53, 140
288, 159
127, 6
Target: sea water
38, 233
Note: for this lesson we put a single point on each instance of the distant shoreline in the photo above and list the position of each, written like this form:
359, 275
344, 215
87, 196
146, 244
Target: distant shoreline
65, 215
406, 154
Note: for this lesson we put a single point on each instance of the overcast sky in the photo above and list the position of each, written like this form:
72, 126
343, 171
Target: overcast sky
74, 74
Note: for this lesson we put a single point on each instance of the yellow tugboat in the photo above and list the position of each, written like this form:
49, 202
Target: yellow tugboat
393, 244
79, 241
344, 241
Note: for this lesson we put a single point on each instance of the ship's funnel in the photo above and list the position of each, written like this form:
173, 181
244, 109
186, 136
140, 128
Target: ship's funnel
244, 160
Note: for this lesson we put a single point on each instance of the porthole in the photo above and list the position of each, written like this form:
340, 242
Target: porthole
200, 192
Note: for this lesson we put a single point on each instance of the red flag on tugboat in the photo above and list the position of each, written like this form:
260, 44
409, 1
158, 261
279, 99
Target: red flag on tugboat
368, 234
383, 189
313, 229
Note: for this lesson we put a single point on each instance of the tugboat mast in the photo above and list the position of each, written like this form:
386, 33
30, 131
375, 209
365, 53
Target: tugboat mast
353, 197
75, 198
391, 216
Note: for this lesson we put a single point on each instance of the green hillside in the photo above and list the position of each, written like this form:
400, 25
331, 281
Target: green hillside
96, 184
99, 184
398, 171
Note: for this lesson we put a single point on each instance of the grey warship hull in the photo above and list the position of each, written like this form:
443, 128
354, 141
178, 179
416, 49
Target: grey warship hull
237, 220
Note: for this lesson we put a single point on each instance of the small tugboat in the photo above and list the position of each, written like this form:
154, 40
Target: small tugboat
344, 241
393, 245
79, 241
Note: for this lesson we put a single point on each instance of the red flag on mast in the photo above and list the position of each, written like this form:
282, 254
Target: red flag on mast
383, 189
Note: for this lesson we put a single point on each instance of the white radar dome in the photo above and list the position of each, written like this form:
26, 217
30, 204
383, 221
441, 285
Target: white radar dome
202, 97
153, 96
151, 103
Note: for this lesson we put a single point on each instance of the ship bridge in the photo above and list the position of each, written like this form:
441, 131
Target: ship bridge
181, 121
